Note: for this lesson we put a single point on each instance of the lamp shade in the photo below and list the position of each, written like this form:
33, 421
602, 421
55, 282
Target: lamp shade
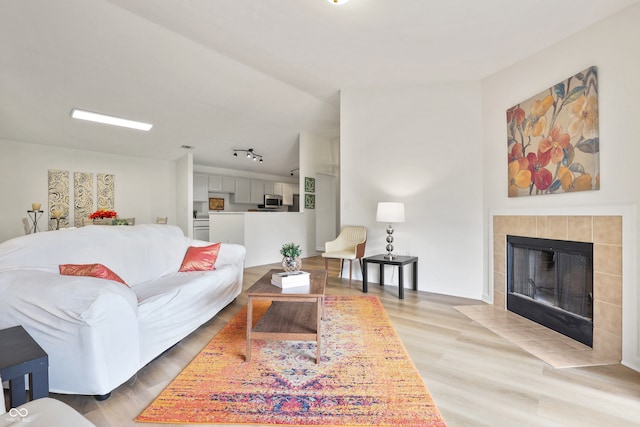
390, 212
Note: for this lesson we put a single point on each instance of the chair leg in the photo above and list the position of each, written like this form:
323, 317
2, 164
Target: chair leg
326, 263
350, 271
341, 267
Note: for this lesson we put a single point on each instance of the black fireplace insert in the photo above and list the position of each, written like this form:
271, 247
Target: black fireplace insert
551, 283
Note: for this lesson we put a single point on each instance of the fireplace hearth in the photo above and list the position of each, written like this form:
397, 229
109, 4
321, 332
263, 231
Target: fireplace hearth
551, 282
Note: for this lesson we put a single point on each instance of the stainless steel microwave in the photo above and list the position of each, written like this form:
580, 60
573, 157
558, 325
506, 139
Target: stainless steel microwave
272, 201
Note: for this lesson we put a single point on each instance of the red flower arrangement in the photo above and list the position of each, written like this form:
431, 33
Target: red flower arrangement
103, 213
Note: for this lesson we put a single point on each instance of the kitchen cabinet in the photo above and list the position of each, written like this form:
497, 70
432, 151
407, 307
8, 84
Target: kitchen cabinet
228, 184
215, 183
268, 187
278, 188
249, 191
243, 190
201, 229
257, 191
287, 194
222, 184
286, 190
200, 188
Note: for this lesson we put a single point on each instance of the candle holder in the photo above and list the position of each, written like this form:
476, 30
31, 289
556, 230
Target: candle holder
34, 215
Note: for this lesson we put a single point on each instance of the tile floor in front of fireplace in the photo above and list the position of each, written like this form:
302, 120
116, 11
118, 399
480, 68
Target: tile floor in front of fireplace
550, 346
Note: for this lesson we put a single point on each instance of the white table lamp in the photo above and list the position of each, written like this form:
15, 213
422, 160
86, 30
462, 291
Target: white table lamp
390, 212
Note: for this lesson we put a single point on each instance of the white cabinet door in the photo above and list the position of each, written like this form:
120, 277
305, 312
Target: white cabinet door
222, 184
287, 194
215, 183
228, 184
243, 190
268, 187
200, 187
257, 191
201, 234
278, 188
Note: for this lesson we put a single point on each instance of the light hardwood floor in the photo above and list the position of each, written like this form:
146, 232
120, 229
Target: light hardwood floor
476, 377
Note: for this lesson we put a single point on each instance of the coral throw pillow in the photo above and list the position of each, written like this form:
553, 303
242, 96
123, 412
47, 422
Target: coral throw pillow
94, 270
200, 258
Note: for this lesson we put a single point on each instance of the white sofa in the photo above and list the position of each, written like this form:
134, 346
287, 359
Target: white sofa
98, 333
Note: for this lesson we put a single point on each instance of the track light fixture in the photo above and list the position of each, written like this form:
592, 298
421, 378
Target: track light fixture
293, 170
251, 155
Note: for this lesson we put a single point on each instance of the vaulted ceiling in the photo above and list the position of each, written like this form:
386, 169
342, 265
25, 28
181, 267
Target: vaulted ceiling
218, 75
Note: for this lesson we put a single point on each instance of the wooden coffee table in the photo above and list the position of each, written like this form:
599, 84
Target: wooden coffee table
294, 315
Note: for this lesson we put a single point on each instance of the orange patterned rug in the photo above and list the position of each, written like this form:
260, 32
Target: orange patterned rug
365, 376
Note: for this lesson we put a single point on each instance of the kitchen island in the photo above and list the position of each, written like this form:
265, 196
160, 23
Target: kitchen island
262, 233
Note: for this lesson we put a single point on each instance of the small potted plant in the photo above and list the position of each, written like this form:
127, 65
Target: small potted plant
291, 257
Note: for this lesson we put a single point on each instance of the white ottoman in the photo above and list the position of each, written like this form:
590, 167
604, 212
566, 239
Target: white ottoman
45, 412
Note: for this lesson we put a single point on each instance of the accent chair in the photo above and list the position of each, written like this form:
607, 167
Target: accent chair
349, 245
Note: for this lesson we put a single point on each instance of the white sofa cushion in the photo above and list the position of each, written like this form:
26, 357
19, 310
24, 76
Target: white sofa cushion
175, 305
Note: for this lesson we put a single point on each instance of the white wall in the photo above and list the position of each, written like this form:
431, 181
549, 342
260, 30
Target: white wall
611, 45
318, 154
422, 146
184, 194
144, 189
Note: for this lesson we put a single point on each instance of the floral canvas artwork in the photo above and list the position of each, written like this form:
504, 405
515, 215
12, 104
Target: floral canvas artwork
553, 139
106, 191
82, 196
58, 198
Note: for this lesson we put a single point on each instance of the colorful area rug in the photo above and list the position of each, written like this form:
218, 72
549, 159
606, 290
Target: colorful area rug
365, 376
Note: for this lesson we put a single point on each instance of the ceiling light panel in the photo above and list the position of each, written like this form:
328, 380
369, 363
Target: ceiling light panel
109, 120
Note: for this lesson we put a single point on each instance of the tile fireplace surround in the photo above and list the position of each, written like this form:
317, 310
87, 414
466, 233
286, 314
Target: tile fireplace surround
605, 232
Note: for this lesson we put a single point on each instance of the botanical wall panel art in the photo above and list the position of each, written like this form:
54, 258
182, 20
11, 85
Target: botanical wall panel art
309, 184
83, 196
58, 197
553, 139
309, 201
106, 191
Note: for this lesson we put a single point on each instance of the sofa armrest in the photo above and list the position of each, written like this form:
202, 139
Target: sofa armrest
87, 326
231, 253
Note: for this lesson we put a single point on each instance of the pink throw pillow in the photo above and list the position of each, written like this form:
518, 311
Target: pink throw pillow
200, 258
93, 270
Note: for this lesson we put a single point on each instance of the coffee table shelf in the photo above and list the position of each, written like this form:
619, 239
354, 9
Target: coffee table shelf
294, 315
285, 320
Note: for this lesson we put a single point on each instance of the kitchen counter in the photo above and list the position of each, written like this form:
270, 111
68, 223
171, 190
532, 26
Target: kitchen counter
262, 235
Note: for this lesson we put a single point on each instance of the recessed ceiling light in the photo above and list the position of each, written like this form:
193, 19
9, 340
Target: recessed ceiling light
338, 2
109, 120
